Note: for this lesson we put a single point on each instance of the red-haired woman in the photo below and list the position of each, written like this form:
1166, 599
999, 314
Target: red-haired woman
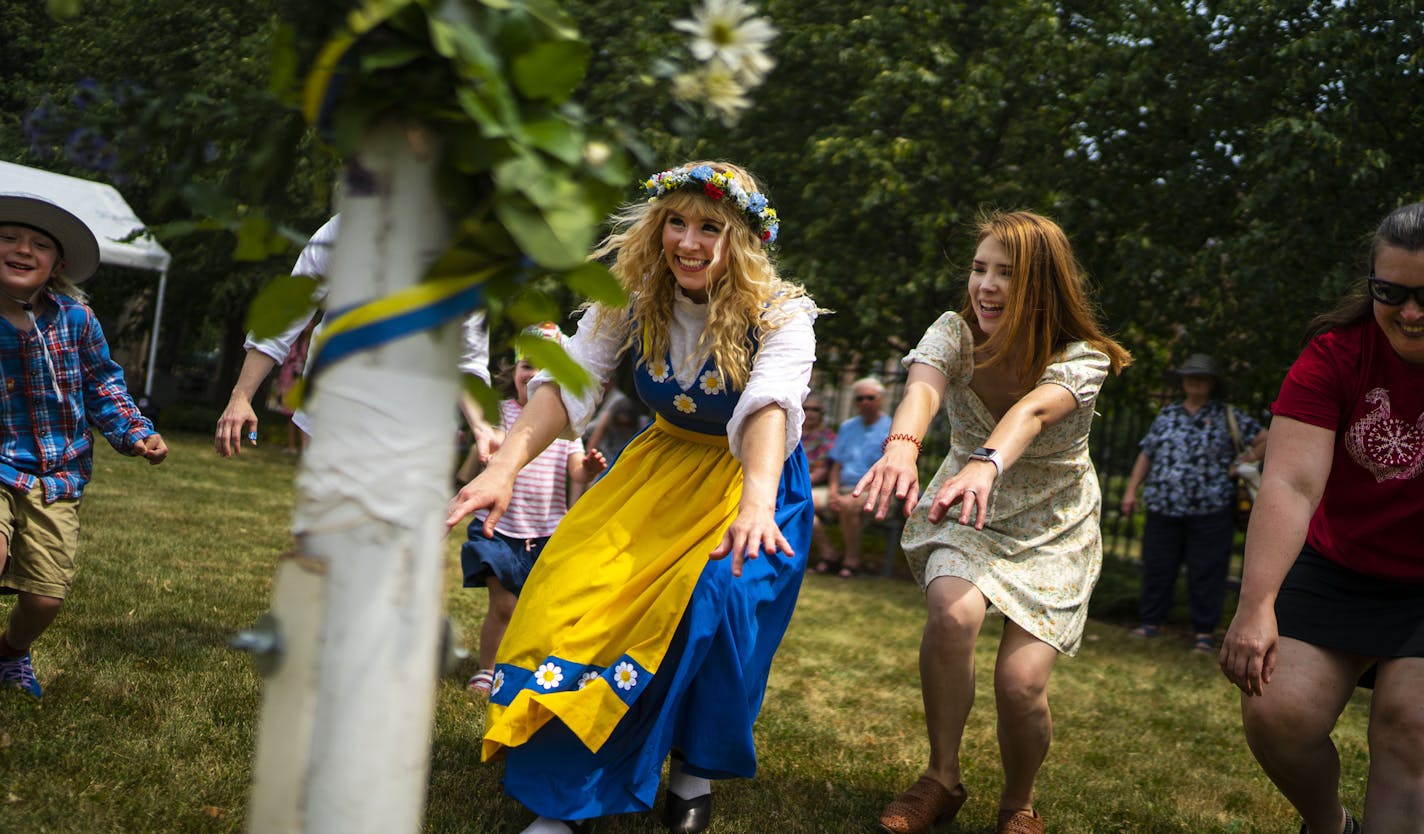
1018, 370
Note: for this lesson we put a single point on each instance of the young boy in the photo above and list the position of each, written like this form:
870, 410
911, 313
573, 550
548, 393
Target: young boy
56, 378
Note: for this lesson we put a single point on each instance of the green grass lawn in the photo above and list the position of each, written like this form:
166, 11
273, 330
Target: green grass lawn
147, 724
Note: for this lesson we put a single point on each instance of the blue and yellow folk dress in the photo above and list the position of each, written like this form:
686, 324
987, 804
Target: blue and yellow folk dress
628, 641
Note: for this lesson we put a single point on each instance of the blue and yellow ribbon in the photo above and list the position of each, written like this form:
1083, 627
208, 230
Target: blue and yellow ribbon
369, 325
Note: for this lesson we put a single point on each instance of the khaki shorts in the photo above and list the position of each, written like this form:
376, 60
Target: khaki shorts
41, 539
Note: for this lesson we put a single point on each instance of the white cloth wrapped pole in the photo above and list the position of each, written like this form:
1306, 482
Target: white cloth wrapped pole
344, 743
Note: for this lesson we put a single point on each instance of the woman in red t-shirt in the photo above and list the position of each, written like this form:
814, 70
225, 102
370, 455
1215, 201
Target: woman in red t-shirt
1332, 593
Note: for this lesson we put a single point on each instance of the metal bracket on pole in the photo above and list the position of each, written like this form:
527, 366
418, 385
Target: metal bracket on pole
263, 641
451, 652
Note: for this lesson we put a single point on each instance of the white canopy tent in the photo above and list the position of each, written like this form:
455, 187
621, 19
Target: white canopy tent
109, 216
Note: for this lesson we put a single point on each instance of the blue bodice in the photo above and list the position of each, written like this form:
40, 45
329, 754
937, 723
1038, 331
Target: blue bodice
706, 407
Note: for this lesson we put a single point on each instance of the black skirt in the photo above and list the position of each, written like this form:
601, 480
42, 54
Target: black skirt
1331, 606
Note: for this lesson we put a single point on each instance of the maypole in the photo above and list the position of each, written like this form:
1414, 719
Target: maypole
348, 700
472, 93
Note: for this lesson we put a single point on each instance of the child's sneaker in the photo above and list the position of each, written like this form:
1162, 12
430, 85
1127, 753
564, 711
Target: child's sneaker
18, 673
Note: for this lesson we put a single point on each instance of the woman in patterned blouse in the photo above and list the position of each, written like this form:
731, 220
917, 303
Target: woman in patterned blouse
1186, 462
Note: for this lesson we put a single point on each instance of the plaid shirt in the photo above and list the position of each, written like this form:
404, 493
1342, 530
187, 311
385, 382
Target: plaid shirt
46, 439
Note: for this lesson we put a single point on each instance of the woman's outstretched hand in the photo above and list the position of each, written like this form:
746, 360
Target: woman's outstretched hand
894, 477
752, 532
970, 490
486, 492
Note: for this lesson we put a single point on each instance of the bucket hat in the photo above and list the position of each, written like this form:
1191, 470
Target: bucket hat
1198, 364
77, 244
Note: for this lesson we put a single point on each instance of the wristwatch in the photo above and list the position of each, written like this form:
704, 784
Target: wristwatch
991, 455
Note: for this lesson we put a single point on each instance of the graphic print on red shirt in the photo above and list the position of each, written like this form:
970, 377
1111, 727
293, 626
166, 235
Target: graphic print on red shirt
1351, 381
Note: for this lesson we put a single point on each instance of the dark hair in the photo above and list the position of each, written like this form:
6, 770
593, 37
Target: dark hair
1402, 228
503, 381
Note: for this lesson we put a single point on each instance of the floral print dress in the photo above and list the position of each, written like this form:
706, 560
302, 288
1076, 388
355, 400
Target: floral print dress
1039, 556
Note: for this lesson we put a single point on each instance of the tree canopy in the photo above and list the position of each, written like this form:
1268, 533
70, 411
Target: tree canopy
1219, 164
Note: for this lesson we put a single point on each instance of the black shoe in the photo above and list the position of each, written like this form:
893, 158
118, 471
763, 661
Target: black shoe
687, 816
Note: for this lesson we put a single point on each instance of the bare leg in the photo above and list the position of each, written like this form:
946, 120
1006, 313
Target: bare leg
1288, 728
850, 520
29, 618
501, 608
1025, 724
1394, 800
820, 542
956, 613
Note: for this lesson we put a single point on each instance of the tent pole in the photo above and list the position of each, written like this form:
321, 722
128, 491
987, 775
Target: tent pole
153, 339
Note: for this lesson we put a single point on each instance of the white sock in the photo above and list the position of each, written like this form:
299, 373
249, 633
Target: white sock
686, 785
544, 825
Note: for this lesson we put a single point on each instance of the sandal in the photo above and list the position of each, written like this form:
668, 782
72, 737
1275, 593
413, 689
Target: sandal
1145, 631
826, 566
926, 802
1019, 822
1203, 644
481, 682
847, 572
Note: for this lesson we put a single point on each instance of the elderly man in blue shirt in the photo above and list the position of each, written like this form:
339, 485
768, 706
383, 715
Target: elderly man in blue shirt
858, 447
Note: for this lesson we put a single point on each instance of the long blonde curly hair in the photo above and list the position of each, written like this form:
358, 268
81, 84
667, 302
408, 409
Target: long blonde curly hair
739, 301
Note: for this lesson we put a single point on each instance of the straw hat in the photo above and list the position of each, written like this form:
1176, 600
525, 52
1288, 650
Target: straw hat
78, 246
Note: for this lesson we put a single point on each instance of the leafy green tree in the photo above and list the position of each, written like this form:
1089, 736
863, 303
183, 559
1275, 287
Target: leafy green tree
1216, 162
882, 130
167, 101
1232, 155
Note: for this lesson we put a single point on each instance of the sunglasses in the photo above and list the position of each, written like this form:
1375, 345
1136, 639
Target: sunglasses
1392, 294
860, 398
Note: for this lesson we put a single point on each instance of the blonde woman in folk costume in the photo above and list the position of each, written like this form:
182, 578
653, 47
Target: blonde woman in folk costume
1011, 518
648, 625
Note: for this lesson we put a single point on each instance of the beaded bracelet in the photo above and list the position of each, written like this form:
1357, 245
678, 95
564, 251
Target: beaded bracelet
910, 437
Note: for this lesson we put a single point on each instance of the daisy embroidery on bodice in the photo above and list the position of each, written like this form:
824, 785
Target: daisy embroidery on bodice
1386, 446
697, 400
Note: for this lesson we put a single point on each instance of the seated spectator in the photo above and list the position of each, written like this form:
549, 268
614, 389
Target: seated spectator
857, 448
817, 438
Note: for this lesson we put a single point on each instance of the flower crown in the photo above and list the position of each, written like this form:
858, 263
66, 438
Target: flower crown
718, 185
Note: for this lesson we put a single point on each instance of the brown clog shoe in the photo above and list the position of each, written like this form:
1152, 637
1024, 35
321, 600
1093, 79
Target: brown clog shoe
924, 804
1020, 822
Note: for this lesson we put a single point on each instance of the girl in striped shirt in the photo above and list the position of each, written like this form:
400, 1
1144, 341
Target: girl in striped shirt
540, 499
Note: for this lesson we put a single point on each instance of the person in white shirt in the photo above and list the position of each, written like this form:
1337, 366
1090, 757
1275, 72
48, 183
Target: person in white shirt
238, 421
